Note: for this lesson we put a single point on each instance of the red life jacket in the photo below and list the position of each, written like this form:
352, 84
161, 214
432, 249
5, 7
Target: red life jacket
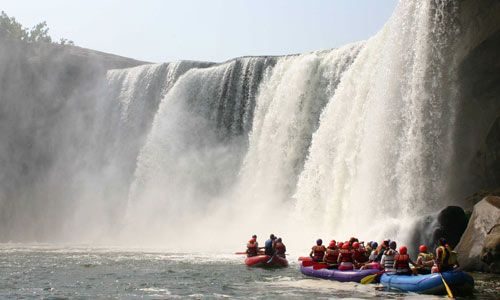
402, 261
345, 255
252, 249
280, 248
359, 256
331, 256
318, 252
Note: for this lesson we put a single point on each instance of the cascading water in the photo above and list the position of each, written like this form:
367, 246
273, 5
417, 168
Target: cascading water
351, 141
381, 152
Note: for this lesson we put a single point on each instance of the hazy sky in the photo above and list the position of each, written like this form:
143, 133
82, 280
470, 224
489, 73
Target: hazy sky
211, 30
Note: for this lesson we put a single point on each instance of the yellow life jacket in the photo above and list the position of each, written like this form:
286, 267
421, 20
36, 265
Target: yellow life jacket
426, 256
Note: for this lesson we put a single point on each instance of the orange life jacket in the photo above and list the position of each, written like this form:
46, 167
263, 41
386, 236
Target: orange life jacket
331, 256
402, 262
359, 256
345, 255
318, 252
252, 249
280, 248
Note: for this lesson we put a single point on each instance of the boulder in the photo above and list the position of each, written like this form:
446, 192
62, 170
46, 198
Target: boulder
490, 254
452, 222
485, 216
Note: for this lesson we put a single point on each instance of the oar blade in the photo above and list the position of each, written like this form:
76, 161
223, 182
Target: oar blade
369, 279
448, 290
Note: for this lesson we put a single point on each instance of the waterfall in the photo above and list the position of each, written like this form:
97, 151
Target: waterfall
358, 140
381, 153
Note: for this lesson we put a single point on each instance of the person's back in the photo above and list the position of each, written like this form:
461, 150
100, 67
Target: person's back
387, 260
318, 251
280, 248
269, 245
402, 262
442, 257
252, 248
331, 254
425, 260
345, 258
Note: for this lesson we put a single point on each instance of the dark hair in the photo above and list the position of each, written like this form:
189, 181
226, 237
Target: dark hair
254, 236
272, 237
392, 245
442, 241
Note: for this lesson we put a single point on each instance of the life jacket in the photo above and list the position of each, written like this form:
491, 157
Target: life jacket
252, 249
373, 255
280, 248
359, 256
445, 256
345, 255
389, 260
331, 256
401, 262
318, 252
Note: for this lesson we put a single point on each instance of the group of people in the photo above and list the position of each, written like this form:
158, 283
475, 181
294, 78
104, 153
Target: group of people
353, 254
272, 246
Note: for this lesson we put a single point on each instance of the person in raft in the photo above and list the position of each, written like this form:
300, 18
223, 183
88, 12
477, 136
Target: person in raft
269, 245
359, 255
345, 258
280, 248
445, 258
374, 252
252, 247
331, 255
384, 246
402, 262
425, 260
387, 260
318, 251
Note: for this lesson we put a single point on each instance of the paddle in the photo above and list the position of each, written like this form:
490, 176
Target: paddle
370, 278
240, 253
448, 290
272, 257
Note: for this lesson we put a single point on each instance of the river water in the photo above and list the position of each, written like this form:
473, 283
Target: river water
61, 272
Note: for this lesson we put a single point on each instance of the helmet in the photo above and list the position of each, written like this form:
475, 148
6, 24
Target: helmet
340, 244
345, 246
332, 244
374, 245
392, 245
319, 242
403, 250
355, 245
422, 248
442, 242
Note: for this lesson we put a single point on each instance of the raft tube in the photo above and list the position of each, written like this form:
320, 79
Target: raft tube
342, 276
266, 261
459, 282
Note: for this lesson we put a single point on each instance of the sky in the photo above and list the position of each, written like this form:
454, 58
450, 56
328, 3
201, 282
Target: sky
206, 30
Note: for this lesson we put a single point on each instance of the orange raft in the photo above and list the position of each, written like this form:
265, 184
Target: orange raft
266, 261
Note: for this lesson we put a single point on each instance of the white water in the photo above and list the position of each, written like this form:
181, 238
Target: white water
351, 141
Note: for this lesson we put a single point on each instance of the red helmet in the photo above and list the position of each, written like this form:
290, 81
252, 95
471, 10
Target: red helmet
340, 244
403, 250
332, 244
345, 246
355, 245
422, 248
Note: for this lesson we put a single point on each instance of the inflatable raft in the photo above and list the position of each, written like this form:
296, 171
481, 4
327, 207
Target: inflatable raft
458, 281
266, 261
342, 276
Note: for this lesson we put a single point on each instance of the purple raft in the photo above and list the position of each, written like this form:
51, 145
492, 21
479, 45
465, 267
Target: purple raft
342, 276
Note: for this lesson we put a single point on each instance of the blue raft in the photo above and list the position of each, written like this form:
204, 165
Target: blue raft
459, 282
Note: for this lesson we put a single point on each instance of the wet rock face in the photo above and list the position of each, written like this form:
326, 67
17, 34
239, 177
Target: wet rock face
490, 254
478, 250
452, 223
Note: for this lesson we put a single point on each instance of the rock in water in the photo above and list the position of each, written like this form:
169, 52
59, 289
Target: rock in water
452, 223
485, 216
490, 254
